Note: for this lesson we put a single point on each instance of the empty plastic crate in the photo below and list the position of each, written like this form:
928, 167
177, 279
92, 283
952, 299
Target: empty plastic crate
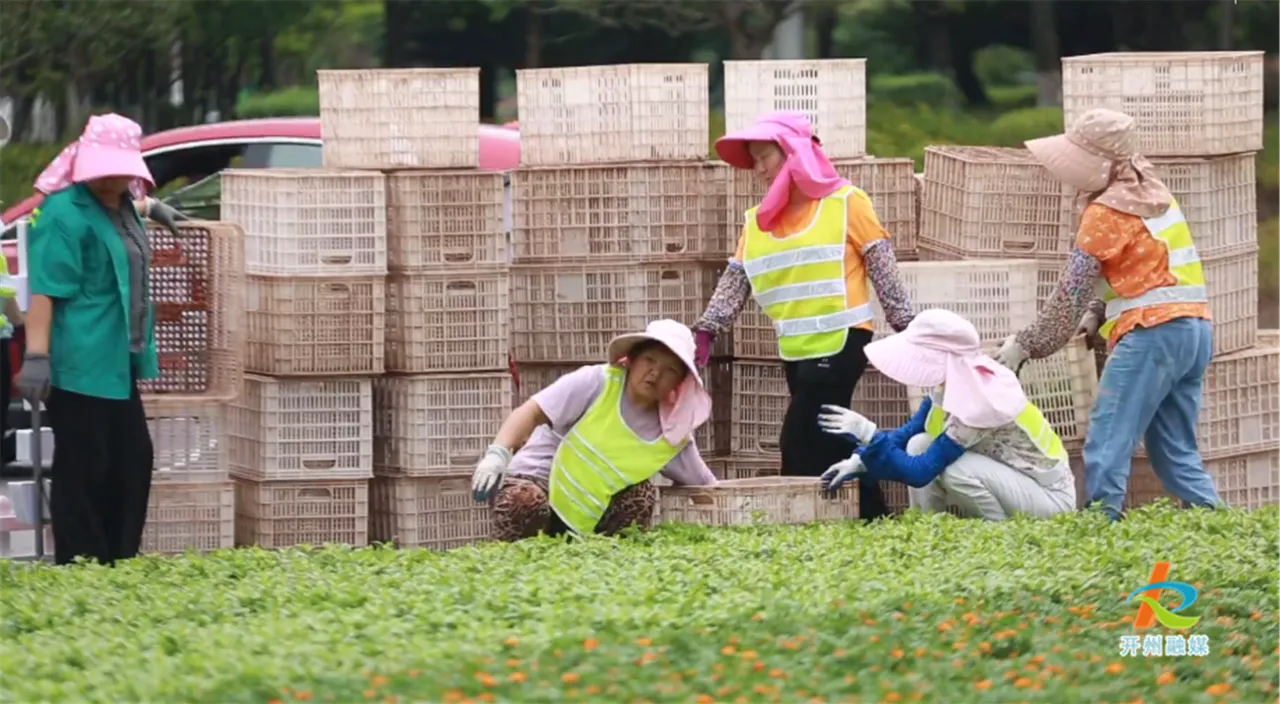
1218, 196
447, 322
759, 500
993, 202
197, 294
727, 468
316, 326
284, 514
631, 212
404, 118
832, 93
302, 429
1232, 283
569, 313
309, 222
760, 400
189, 440
437, 424
445, 221
1240, 403
1248, 480
1185, 103
998, 296
618, 113
182, 517
427, 512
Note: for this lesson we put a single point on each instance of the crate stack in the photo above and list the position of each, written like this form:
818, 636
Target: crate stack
1200, 121
196, 283
618, 218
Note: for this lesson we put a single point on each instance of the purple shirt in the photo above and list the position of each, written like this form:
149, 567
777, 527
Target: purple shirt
567, 400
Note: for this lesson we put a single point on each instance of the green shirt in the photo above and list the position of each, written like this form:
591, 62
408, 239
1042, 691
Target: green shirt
78, 259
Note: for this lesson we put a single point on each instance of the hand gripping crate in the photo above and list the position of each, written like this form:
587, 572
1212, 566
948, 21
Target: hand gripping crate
631, 212
427, 512
316, 326
609, 114
287, 429
197, 294
1185, 103
436, 424
282, 514
189, 440
449, 322
408, 118
759, 500
890, 183
309, 222
993, 202
832, 93
446, 221
182, 517
568, 313
997, 295
1248, 481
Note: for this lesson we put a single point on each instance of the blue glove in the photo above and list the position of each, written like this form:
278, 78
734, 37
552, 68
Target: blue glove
884, 460
899, 436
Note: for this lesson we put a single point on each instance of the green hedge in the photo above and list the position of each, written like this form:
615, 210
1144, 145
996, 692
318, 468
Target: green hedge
932, 89
287, 102
20, 164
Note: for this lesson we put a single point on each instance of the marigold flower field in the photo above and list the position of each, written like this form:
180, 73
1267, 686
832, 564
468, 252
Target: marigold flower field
922, 608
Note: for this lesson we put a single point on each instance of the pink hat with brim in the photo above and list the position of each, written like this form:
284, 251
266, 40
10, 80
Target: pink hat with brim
942, 348
771, 127
109, 147
690, 405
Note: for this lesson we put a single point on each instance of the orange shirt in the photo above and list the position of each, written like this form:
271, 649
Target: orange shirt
862, 227
1133, 262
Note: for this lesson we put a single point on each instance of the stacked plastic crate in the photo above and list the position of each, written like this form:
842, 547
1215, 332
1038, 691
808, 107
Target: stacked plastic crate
1200, 121
618, 219
832, 94
448, 386
197, 283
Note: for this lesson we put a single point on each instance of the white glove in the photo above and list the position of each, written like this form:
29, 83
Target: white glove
842, 421
841, 472
1011, 354
489, 473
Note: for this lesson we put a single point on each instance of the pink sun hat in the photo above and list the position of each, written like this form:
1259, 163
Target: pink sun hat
689, 405
771, 127
940, 347
110, 146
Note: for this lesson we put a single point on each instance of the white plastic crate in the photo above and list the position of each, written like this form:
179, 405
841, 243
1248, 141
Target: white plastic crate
618, 113
1219, 198
302, 429
1185, 103
182, 517
997, 295
447, 322
760, 400
189, 440
282, 514
758, 500
309, 222
832, 93
625, 211
436, 424
569, 313
1240, 402
1247, 481
316, 326
890, 183
427, 512
728, 468
404, 118
993, 202
442, 221
1232, 283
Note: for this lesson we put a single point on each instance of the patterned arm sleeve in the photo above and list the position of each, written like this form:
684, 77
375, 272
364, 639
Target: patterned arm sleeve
727, 301
1062, 312
882, 269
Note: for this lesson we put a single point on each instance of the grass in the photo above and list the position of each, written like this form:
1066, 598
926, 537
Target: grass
925, 608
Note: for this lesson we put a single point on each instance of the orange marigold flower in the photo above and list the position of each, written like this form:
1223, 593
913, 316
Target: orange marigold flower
1115, 668
511, 641
1219, 688
590, 644
570, 678
983, 685
1166, 677
1022, 682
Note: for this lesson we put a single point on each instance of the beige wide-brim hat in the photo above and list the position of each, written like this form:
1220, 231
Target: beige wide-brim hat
1083, 157
673, 335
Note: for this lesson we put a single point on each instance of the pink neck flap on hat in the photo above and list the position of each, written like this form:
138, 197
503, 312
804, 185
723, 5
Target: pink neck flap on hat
105, 137
806, 166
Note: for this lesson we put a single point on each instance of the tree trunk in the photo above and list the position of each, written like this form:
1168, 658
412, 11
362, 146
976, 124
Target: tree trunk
1226, 24
1044, 44
267, 59
533, 36
824, 20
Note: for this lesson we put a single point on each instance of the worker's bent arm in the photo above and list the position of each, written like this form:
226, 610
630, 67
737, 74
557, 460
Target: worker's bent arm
518, 426
39, 316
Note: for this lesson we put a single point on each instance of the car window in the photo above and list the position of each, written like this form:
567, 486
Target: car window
203, 199
182, 167
279, 155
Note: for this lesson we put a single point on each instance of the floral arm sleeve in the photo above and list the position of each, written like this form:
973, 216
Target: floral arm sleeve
882, 269
1062, 312
727, 301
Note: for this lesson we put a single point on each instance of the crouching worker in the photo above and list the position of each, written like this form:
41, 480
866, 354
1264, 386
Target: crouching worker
586, 446
975, 442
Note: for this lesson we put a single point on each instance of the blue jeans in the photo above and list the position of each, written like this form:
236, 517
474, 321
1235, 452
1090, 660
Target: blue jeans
1150, 387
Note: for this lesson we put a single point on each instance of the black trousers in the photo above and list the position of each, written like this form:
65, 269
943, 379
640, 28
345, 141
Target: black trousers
102, 465
807, 450
7, 447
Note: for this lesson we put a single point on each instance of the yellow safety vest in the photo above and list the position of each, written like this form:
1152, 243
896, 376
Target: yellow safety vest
1030, 421
8, 289
600, 457
799, 281
1184, 263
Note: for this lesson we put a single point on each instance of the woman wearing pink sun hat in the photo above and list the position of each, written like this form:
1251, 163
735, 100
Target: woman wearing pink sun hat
90, 338
806, 255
